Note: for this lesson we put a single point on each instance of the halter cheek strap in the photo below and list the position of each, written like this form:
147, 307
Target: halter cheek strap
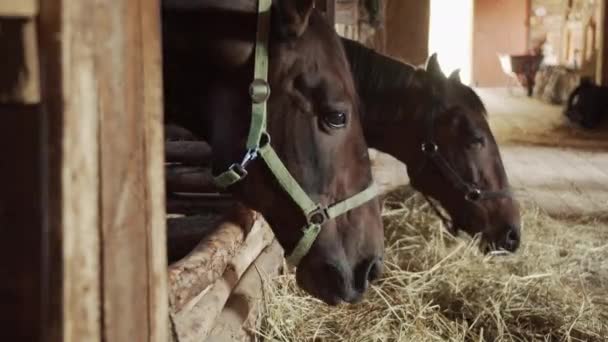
258, 146
470, 191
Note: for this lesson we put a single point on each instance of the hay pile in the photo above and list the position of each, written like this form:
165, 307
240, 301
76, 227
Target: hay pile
436, 288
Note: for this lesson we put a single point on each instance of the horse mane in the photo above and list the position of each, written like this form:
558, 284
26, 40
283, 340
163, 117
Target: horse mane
378, 75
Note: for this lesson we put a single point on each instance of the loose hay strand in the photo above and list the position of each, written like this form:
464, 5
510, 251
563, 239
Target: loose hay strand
438, 288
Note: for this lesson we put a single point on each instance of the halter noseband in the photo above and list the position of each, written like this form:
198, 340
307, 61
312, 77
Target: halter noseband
470, 191
258, 145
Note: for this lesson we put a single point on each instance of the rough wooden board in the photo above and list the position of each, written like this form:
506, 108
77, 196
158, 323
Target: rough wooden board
131, 162
195, 321
73, 200
207, 262
242, 307
188, 152
18, 8
184, 233
151, 73
189, 179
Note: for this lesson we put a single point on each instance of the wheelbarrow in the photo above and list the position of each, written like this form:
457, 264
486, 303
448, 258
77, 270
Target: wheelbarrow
521, 69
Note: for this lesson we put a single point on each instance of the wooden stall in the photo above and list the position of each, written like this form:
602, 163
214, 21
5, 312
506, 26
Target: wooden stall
82, 170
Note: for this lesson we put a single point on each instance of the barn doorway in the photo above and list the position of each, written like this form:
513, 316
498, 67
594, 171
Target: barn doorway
451, 35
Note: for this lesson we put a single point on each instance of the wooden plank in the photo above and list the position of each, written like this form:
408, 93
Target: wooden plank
131, 162
239, 315
72, 199
102, 100
195, 321
602, 66
18, 8
152, 109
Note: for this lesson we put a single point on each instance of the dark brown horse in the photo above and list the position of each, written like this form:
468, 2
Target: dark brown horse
437, 126
313, 121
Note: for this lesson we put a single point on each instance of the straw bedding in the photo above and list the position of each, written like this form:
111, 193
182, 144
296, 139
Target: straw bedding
437, 288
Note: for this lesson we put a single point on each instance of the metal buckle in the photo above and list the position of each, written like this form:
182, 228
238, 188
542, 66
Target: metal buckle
259, 90
239, 170
429, 147
318, 216
473, 195
250, 156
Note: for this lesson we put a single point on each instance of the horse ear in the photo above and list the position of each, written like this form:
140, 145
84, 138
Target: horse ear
293, 17
455, 75
432, 66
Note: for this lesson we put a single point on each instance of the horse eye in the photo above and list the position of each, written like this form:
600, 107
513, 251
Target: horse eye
478, 141
336, 119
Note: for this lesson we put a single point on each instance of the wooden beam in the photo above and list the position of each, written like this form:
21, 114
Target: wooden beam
18, 8
188, 152
100, 63
131, 162
194, 322
152, 105
73, 296
601, 75
240, 314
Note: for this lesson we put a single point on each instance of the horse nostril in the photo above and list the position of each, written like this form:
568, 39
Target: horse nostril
513, 234
512, 238
367, 271
375, 270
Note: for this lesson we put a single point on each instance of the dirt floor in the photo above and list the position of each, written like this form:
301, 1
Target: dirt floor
559, 166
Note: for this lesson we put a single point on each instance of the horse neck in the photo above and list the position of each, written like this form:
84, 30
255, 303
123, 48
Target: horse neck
389, 92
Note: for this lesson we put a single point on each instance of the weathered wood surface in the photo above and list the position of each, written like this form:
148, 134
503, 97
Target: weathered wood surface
240, 313
128, 82
178, 133
208, 260
193, 153
194, 204
101, 69
149, 27
195, 321
189, 179
184, 233
18, 8
73, 171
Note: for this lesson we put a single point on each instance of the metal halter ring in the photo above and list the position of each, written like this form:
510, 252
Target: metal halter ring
259, 91
429, 147
318, 216
473, 195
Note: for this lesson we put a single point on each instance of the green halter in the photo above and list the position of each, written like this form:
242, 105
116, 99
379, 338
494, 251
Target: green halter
258, 145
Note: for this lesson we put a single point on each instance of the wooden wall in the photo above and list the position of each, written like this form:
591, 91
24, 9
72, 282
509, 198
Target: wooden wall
407, 29
499, 26
83, 193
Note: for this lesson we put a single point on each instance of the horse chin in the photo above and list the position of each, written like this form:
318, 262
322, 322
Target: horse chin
305, 282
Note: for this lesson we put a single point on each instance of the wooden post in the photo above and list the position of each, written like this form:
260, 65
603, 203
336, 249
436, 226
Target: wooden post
101, 96
602, 60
